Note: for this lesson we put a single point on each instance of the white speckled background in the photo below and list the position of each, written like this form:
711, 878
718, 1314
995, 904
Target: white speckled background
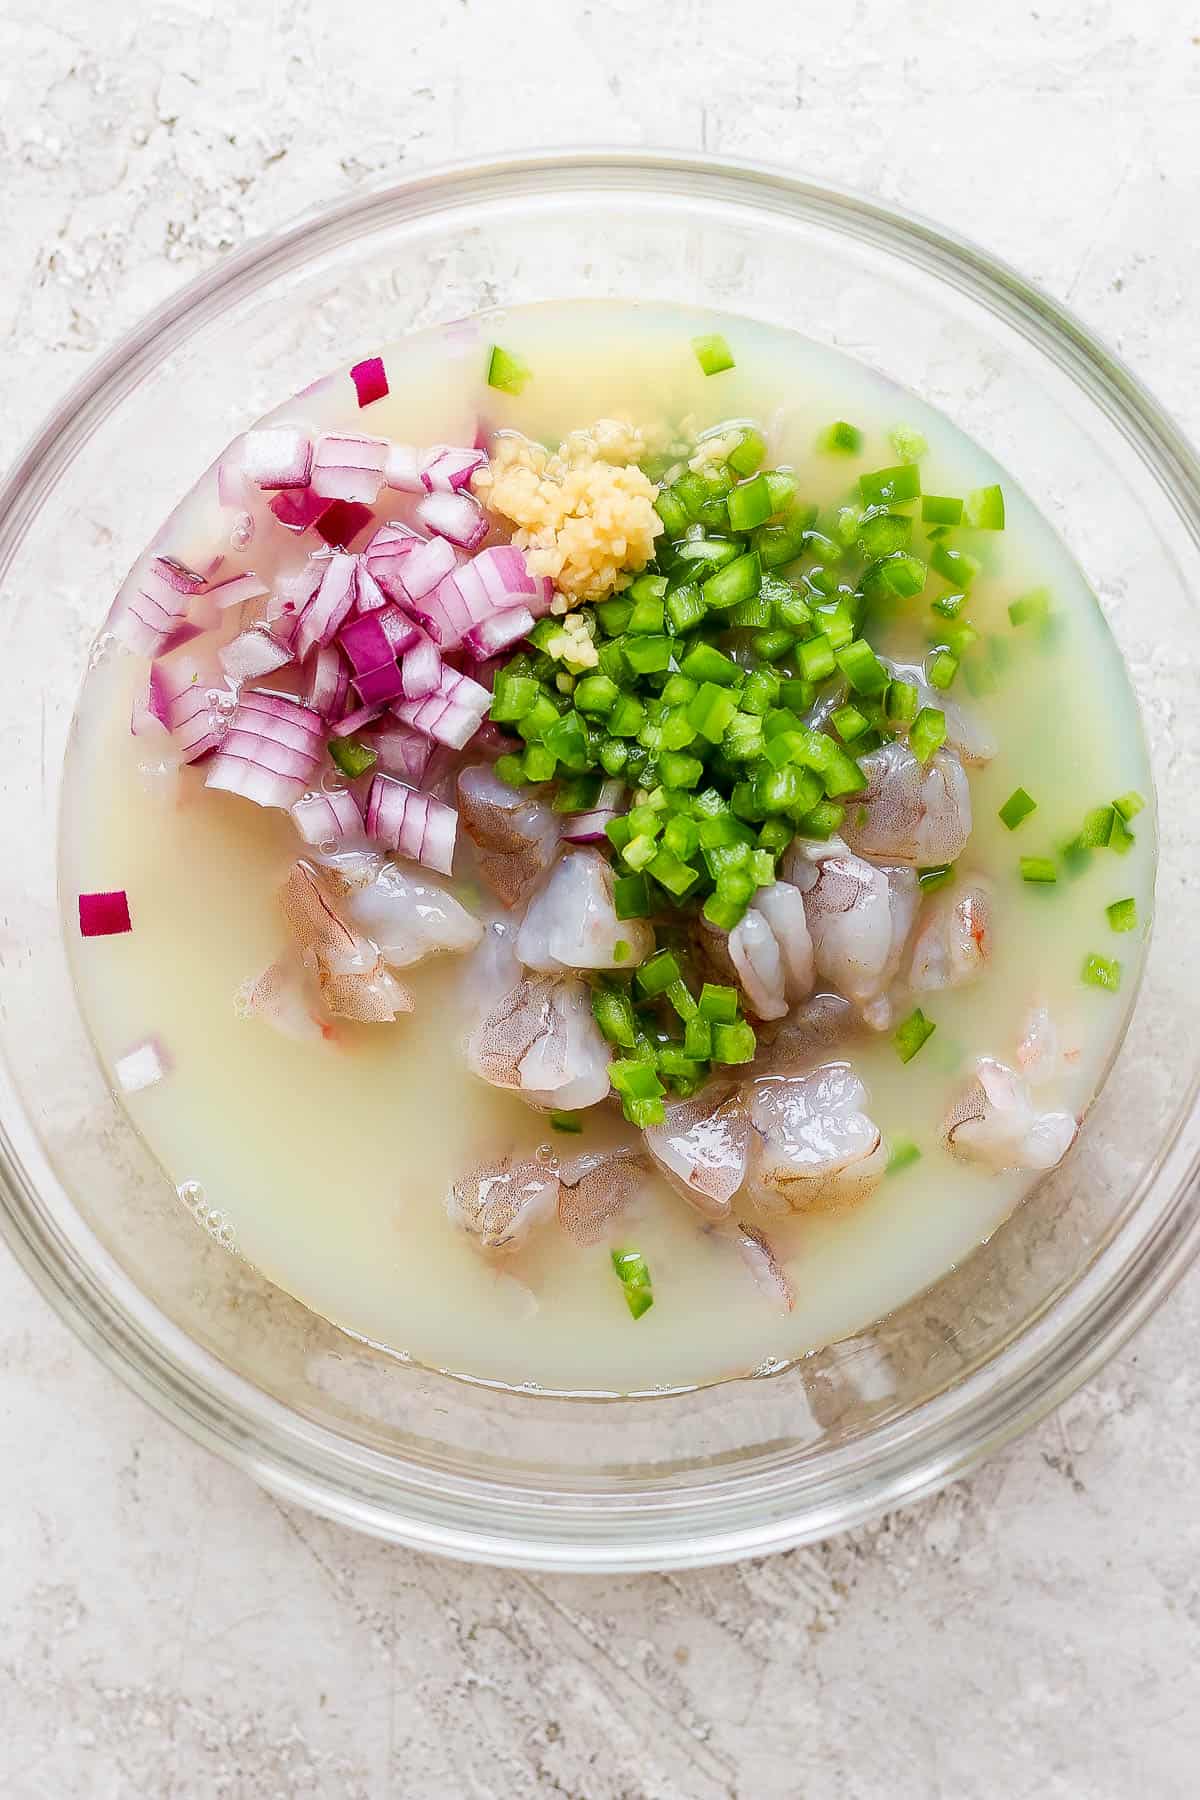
165, 1629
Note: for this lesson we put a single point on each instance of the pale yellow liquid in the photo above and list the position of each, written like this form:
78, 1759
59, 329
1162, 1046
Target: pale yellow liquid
331, 1162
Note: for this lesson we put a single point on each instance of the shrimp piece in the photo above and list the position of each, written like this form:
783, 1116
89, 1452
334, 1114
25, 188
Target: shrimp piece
910, 812
499, 1204
411, 918
759, 1255
516, 836
541, 1039
594, 1188
954, 944
771, 951
287, 997
1038, 1053
996, 1123
860, 918
813, 1145
351, 974
702, 1147
812, 1028
571, 921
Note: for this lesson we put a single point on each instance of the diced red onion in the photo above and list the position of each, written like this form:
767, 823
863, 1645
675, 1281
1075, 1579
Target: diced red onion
153, 603
385, 555
271, 750
341, 523
329, 682
186, 693
423, 568
327, 818
252, 655
589, 827
370, 380
421, 668
412, 823
183, 634
104, 915
278, 456
232, 484
299, 509
376, 638
143, 1066
445, 470
235, 590
402, 751
454, 516
402, 470
452, 714
349, 468
353, 722
506, 580
330, 605
369, 596
495, 634
379, 687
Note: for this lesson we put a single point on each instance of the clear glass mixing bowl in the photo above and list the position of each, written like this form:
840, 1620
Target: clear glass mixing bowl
323, 1419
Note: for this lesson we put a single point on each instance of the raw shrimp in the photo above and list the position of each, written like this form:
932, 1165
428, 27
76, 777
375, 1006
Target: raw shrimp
516, 836
542, 1039
760, 1257
702, 1146
813, 1145
500, 1204
354, 980
594, 1187
571, 922
771, 951
954, 942
411, 917
995, 1122
910, 812
860, 918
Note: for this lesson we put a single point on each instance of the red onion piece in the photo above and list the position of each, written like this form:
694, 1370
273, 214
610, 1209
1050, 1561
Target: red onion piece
347, 467
376, 638
153, 603
424, 567
104, 915
452, 714
232, 485
495, 634
370, 380
278, 456
298, 510
235, 590
402, 470
412, 823
187, 694
342, 521
589, 827
352, 722
445, 470
402, 751
506, 580
271, 750
326, 819
454, 516
142, 1066
385, 556
330, 605
379, 687
329, 682
369, 596
421, 667
252, 655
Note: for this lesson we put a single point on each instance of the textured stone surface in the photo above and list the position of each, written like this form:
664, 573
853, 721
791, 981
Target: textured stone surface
168, 1631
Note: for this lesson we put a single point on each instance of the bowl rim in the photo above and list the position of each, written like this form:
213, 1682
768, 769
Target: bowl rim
1068, 1340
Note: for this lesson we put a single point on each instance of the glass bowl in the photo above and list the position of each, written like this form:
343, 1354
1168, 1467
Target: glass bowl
334, 1423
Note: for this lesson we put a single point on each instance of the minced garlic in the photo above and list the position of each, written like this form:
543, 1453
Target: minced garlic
584, 514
